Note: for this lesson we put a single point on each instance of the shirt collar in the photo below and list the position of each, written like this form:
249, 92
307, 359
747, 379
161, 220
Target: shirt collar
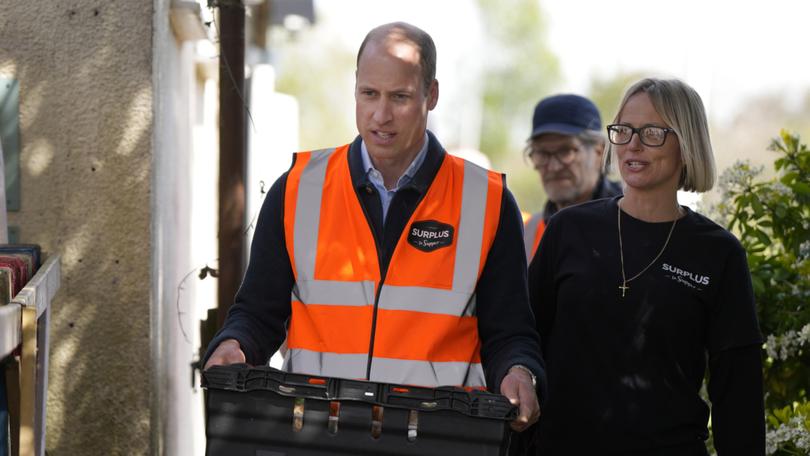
376, 177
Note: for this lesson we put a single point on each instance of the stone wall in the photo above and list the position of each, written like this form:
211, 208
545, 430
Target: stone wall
85, 69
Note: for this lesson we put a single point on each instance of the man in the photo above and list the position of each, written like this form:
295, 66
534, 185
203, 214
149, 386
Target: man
387, 259
566, 147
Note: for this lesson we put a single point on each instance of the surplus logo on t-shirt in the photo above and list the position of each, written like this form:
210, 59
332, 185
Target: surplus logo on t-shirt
429, 235
690, 279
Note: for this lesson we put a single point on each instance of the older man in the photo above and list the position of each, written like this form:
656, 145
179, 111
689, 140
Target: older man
566, 147
387, 259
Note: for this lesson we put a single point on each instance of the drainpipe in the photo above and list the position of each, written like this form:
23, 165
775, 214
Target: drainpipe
232, 152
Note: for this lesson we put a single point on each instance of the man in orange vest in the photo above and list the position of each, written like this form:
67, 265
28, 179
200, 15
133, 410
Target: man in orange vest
387, 259
566, 147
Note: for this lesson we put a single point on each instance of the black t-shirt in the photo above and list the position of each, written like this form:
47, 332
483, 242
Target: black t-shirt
624, 373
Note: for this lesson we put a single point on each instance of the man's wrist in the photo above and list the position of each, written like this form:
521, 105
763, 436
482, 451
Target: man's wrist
527, 370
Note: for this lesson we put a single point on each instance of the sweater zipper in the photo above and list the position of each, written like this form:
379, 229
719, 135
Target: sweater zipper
379, 285
382, 275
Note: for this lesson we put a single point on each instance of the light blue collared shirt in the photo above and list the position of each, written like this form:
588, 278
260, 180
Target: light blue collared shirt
376, 177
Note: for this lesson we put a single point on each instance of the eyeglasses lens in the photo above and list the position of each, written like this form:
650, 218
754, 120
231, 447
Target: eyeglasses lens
649, 136
563, 156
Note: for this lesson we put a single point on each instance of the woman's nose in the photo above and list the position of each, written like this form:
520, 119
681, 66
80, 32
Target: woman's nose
635, 141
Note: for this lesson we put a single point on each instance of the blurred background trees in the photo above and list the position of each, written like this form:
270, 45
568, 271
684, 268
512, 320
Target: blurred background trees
519, 70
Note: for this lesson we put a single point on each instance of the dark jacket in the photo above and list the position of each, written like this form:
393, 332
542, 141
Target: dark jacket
506, 325
604, 189
532, 229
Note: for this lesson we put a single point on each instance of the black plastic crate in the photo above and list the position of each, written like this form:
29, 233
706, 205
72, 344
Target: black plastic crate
261, 411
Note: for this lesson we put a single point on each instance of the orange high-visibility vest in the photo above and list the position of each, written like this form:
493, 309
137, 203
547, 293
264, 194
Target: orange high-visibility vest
417, 325
532, 233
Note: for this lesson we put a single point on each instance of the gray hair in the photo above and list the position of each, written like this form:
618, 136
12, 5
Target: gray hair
589, 139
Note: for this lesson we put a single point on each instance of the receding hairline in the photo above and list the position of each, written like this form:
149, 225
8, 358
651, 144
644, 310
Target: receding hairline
400, 31
406, 33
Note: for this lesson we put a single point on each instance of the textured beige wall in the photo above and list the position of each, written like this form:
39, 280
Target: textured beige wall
85, 72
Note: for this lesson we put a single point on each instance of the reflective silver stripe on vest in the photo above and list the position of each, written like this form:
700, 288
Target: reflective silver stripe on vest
404, 371
426, 373
470, 228
310, 362
420, 299
529, 234
308, 213
333, 292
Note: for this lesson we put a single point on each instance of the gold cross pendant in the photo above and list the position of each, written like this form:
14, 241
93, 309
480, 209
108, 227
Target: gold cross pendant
624, 288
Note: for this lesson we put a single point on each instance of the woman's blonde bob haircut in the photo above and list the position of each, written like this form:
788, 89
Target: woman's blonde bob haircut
682, 109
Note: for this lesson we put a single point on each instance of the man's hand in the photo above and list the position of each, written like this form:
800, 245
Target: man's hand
227, 352
518, 388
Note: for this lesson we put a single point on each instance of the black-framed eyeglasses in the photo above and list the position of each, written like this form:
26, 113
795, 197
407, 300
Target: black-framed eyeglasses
564, 156
650, 135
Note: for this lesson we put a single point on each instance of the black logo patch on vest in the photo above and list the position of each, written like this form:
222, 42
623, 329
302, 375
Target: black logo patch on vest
429, 235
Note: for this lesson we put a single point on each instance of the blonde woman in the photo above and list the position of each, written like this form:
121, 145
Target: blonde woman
636, 295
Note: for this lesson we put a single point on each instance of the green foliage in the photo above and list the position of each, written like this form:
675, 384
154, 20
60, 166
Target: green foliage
316, 69
789, 430
786, 414
520, 70
772, 219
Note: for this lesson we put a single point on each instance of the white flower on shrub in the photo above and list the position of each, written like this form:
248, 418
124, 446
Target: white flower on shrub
804, 249
788, 344
782, 189
791, 432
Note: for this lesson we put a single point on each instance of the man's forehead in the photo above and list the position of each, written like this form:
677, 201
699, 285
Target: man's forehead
554, 140
394, 46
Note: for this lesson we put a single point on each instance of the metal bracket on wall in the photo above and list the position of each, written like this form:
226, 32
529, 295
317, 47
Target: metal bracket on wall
10, 138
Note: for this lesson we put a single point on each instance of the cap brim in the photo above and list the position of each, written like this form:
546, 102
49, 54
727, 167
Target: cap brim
560, 128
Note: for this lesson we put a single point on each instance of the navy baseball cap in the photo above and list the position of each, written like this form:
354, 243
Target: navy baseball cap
565, 114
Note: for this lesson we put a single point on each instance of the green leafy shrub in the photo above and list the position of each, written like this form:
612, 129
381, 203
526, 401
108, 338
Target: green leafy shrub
772, 219
789, 430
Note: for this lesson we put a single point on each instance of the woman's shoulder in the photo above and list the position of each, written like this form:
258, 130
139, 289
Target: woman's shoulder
589, 210
583, 216
713, 233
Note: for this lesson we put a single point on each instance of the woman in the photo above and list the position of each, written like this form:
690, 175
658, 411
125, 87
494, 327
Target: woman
636, 296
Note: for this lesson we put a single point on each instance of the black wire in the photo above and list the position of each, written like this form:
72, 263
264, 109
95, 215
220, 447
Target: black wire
206, 270
177, 305
256, 215
230, 73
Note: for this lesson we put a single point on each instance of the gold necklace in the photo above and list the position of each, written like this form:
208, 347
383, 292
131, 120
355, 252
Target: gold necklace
625, 281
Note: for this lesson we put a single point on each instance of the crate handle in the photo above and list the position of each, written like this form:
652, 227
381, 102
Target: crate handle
376, 421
